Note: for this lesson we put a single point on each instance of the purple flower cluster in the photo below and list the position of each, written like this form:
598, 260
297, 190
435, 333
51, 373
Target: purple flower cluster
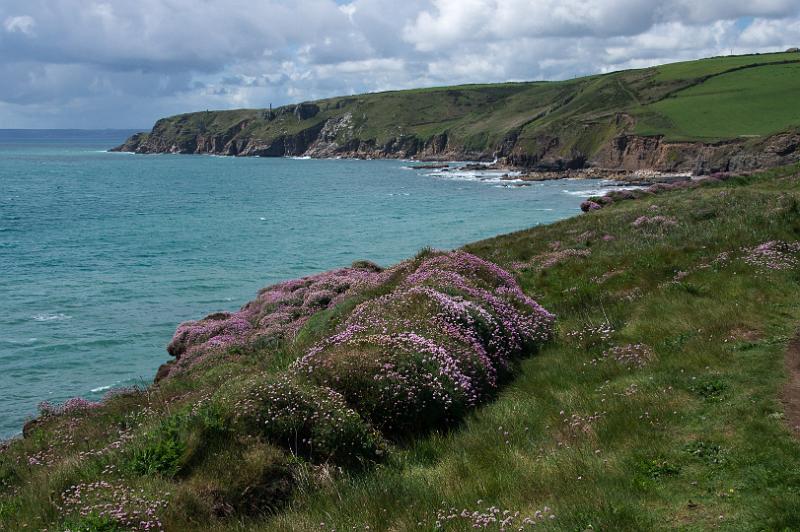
491, 517
277, 312
614, 196
71, 406
657, 221
773, 255
434, 346
117, 502
313, 421
630, 355
577, 424
591, 335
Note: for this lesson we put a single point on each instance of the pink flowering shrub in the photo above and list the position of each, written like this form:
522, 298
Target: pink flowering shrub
436, 345
71, 406
278, 312
492, 517
591, 335
658, 221
773, 255
630, 355
312, 421
115, 505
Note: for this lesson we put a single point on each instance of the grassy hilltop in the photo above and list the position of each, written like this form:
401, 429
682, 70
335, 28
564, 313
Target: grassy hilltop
571, 123
437, 394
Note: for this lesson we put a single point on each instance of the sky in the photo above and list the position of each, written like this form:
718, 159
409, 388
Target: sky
124, 64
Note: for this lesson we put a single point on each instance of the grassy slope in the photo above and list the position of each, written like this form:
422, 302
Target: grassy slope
752, 102
702, 103
694, 440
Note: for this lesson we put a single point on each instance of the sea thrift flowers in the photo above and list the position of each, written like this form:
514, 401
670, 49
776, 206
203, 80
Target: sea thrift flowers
433, 347
773, 255
654, 221
76, 404
631, 355
116, 502
491, 517
278, 312
310, 420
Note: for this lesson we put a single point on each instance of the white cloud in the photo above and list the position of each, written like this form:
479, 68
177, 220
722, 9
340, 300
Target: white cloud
114, 62
21, 24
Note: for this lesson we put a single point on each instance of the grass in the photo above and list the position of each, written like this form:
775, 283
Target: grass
691, 438
706, 100
743, 103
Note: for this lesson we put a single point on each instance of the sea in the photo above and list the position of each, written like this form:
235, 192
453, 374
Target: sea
103, 254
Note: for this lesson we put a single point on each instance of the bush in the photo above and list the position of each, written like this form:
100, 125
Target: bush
659, 468
312, 421
709, 388
706, 452
434, 347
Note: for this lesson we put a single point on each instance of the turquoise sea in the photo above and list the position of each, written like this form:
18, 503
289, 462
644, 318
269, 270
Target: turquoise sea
103, 254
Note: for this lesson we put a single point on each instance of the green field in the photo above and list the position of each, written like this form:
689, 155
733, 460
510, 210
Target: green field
752, 102
688, 434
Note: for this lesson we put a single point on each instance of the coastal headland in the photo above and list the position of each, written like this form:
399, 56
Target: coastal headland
723, 114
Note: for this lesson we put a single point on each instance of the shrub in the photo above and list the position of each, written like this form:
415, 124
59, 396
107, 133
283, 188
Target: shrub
706, 452
71, 406
311, 421
277, 313
247, 477
709, 388
103, 506
435, 346
659, 468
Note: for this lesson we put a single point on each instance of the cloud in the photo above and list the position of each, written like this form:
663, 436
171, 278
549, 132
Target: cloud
22, 24
99, 63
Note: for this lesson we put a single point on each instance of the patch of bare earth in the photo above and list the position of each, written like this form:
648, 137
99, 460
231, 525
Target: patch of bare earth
790, 397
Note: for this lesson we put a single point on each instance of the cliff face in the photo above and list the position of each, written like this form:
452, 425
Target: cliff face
631, 152
329, 138
336, 137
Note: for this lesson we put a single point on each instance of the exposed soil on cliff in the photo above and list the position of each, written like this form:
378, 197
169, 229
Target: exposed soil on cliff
790, 396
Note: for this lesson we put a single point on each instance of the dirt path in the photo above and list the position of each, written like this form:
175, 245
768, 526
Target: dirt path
790, 397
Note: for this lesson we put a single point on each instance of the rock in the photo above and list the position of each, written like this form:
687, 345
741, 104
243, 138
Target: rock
304, 111
30, 426
132, 143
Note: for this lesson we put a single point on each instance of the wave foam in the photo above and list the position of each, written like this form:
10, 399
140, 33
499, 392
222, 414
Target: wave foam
51, 317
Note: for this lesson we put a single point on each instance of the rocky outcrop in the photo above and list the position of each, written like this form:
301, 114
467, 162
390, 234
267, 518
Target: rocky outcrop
631, 153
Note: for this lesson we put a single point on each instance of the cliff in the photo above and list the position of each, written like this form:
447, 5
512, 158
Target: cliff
720, 114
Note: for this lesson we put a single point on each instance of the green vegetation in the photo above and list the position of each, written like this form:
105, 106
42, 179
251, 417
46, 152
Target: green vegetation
751, 102
655, 406
565, 122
